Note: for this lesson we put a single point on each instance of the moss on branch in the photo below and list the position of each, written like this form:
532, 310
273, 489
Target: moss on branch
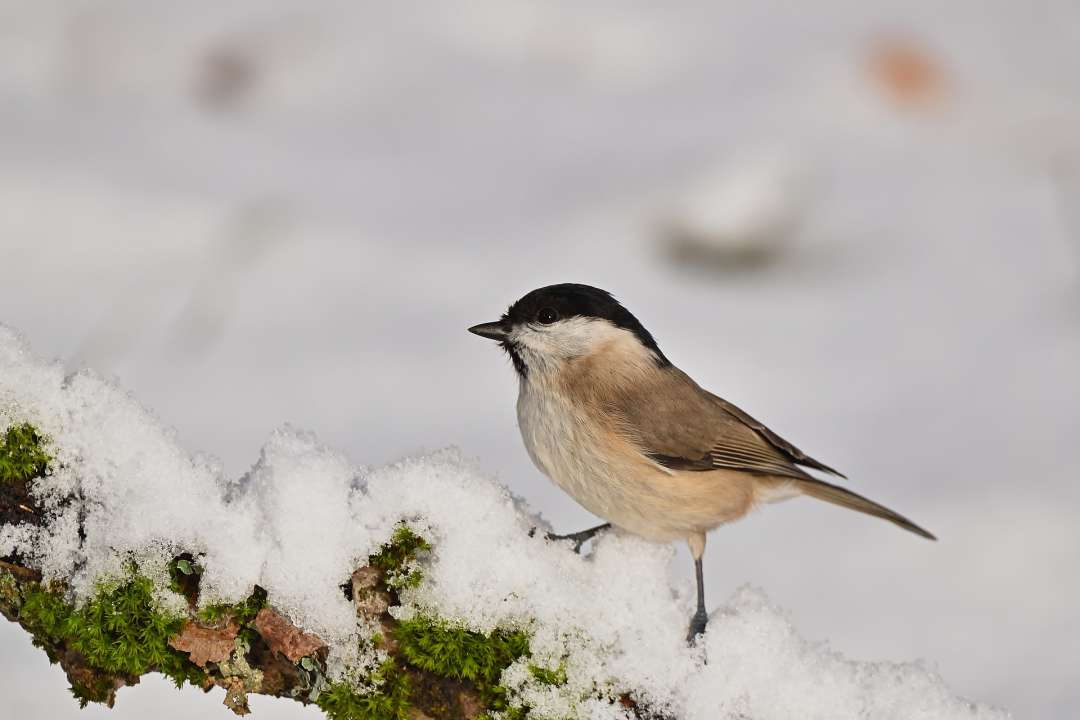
23, 454
432, 669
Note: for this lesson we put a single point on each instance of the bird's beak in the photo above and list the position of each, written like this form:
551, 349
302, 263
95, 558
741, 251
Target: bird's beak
491, 330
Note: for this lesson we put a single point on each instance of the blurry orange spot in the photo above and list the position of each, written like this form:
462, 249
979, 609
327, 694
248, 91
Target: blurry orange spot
906, 73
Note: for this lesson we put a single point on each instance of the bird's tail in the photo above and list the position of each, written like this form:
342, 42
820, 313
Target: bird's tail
845, 498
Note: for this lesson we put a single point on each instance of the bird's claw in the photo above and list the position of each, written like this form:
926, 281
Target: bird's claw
578, 541
579, 538
697, 626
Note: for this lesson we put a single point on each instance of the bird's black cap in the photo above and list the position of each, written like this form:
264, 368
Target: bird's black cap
575, 300
571, 300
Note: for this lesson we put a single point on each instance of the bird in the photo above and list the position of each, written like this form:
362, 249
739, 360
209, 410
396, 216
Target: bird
632, 438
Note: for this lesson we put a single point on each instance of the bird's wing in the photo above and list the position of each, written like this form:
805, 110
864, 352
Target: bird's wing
793, 453
683, 427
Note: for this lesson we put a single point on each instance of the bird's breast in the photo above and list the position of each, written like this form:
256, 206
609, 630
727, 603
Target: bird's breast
611, 478
557, 435
586, 460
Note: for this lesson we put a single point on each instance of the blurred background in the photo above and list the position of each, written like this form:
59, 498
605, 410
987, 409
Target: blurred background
858, 220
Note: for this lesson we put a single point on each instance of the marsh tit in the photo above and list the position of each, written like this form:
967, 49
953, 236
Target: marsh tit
607, 417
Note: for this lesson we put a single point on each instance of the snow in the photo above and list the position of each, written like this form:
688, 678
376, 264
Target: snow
305, 516
745, 206
920, 331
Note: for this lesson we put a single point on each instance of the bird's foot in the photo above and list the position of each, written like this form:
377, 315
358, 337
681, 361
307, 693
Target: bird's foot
579, 538
697, 626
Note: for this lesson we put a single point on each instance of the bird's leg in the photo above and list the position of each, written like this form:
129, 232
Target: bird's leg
700, 618
581, 537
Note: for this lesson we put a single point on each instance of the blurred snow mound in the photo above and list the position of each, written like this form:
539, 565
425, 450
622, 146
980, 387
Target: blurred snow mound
304, 517
745, 209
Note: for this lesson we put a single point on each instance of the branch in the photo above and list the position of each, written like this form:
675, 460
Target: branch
429, 669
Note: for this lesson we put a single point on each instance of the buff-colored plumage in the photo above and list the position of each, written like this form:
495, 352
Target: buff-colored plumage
633, 439
576, 435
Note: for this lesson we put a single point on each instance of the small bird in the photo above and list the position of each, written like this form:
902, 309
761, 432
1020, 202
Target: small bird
610, 420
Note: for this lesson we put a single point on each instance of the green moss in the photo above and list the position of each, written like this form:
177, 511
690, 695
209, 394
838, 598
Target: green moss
185, 575
99, 690
397, 558
556, 677
390, 701
119, 631
451, 652
508, 713
22, 454
181, 570
45, 612
9, 590
243, 612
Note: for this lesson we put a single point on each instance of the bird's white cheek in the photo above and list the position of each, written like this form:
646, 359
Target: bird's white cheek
539, 345
570, 338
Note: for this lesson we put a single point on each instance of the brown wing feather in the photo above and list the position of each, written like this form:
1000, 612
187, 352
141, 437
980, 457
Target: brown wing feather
682, 427
795, 454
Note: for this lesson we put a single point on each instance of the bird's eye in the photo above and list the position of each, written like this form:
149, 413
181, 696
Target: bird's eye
547, 315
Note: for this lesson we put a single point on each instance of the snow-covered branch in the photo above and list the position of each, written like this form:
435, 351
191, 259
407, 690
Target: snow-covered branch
410, 590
